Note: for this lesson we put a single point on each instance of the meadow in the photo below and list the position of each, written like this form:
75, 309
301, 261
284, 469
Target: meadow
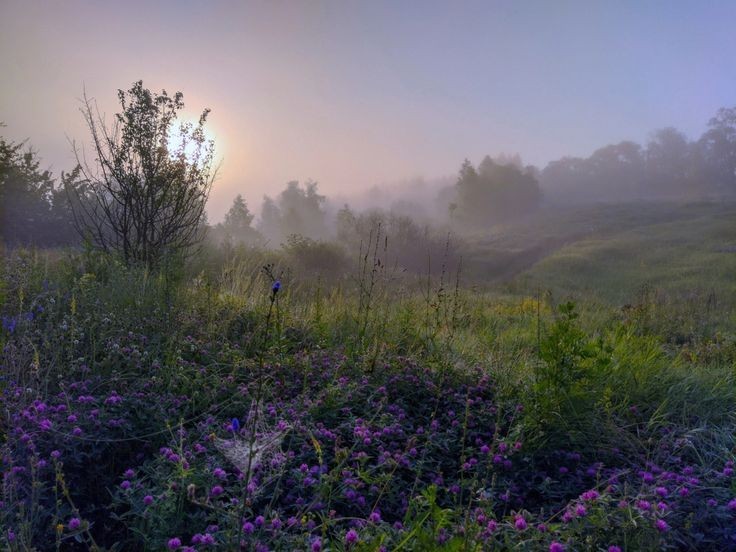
570, 386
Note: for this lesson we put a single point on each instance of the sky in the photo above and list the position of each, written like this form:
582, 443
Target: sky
356, 94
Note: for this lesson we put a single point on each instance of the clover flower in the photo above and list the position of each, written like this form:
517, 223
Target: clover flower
351, 537
74, 524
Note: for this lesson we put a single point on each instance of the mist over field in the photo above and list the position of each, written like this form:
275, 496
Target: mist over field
367, 276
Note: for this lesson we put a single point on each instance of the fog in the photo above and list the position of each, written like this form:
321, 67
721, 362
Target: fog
373, 94
332, 121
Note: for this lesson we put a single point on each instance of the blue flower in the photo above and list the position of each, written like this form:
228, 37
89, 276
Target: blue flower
9, 323
276, 286
235, 425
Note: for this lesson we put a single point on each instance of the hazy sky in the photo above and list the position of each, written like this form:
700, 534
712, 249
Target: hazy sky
359, 93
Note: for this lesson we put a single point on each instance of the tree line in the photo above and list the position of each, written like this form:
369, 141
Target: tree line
143, 193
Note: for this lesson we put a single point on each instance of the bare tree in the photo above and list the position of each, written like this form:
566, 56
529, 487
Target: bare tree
144, 195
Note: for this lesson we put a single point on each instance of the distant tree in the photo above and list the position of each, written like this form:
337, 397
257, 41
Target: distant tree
237, 226
33, 210
238, 218
345, 223
612, 173
296, 211
270, 222
718, 149
146, 195
669, 163
493, 193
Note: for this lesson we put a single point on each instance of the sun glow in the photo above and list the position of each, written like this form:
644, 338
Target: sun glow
183, 138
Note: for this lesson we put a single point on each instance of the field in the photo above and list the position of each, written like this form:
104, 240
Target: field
570, 388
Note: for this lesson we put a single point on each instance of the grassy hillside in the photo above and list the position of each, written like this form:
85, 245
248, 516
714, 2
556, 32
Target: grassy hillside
691, 256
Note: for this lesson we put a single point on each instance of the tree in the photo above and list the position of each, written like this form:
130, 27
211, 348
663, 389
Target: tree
145, 191
718, 146
296, 211
237, 224
32, 209
494, 192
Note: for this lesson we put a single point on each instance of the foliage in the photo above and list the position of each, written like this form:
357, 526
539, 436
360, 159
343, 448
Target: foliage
122, 390
145, 196
495, 192
33, 208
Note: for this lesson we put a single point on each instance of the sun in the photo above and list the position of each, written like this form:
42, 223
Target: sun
180, 138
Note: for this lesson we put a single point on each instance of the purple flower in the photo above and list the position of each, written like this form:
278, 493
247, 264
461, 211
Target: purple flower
643, 505
556, 547
174, 543
375, 517
125, 485
235, 425
276, 287
614, 548
732, 504
580, 511
74, 524
316, 545
661, 525
351, 537
217, 490
248, 528
520, 523
148, 500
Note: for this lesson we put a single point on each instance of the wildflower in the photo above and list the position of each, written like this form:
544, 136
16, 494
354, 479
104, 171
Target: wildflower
174, 543
351, 537
732, 504
235, 425
590, 495
148, 500
614, 548
74, 524
375, 517
316, 545
248, 528
520, 523
712, 502
217, 490
125, 485
219, 473
661, 525
556, 547
644, 505
276, 287
580, 511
